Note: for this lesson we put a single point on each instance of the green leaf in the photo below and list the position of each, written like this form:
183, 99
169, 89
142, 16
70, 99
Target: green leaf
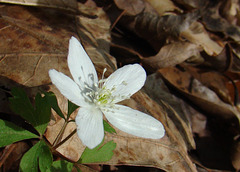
61, 166
42, 113
45, 158
98, 154
37, 155
71, 108
39, 116
10, 133
52, 100
20, 104
108, 127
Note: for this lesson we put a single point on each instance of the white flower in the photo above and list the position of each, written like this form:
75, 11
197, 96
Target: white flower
98, 97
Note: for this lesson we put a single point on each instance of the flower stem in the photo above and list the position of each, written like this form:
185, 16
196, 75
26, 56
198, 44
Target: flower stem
60, 134
64, 140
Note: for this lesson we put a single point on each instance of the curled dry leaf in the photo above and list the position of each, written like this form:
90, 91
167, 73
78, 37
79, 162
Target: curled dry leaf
229, 10
214, 22
198, 35
70, 5
163, 6
158, 29
216, 81
222, 62
148, 25
175, 108
131, 7
171, 55
202, 96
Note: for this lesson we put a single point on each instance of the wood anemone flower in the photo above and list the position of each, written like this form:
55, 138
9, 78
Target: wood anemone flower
98, 97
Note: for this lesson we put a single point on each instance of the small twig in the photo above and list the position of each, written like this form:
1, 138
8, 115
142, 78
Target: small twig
118, 18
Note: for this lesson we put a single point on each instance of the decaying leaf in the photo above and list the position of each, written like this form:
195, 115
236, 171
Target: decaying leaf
216, 81
153, 27
29, 49
171, 55
198, 35
214, 22
198, 93
131, 7
163, 6
175, 108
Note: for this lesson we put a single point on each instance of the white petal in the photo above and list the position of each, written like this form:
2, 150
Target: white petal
134, 122
90, 126
126, 81
67, 87
80, 65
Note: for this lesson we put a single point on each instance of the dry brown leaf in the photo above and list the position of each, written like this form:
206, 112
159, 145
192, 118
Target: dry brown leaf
222, 62
213, 80
198, 35
214, 22
202, 96
32, 44
12, 155
229, 10
175, 108
157, 29
171, 55
163, 6
235, 63
131, 7
198, 122
70, 5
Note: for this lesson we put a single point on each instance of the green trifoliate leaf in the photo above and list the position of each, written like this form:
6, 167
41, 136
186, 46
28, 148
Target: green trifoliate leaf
71, 108
98, 154
38, 156
52, 100
10, 133
38, 116
108, 127
61, 166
